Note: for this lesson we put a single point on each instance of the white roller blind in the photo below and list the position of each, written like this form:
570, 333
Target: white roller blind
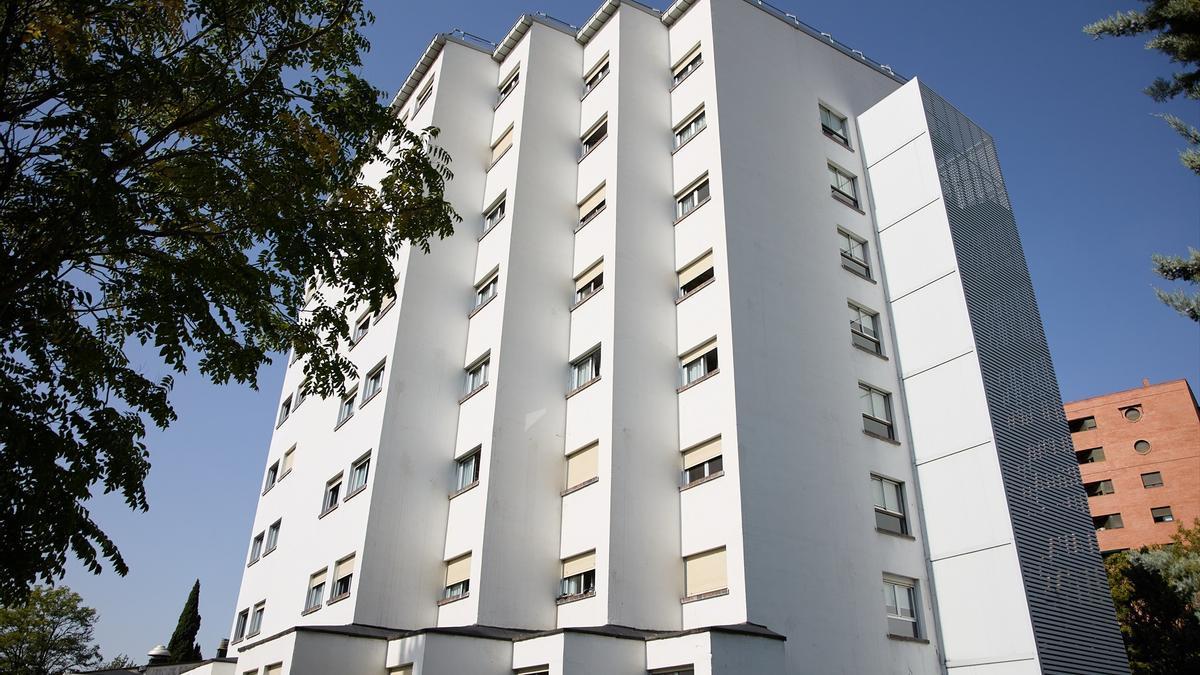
706, 572
579, 564
343, 568
503, 144
698, 351
582, 466
702, 453
593, 200
458, 570
587, 277
695, 269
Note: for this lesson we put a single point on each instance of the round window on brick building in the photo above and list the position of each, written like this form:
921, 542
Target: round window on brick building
1133, 414
1142, 447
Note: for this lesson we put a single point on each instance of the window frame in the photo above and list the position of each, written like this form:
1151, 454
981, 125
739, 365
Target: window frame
336, 592
1104, 521
900, 516
285, 411
346, 407
592, 359
373, 382
594, 275
272, 539
595, 75
423, 97
594, 136
688, 200
895, 583
256, 548
256, 618
585, 218
697, 280
580, 584
495, 214
508, 84
868, 342
851, 263
1081, 424
888, 424
683, 68
272, 477
241, 624
1099, 488
1152, 485
688, 129
1162, 514
354, 487
705, 354
840, 178
333, 487
478, 369
471, 459
841, 135
314, 597
1090, 454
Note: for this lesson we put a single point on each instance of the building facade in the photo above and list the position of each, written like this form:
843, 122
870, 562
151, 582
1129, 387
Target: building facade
619, 422
1139, 458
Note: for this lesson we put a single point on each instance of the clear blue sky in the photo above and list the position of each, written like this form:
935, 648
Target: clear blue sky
1095, 183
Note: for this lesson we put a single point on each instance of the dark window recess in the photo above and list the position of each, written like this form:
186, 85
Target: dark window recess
1081, 424
1100, 487
702, 470
1111, 521
1162, 514
1152, 479
1089, 456
698, 281
578, 584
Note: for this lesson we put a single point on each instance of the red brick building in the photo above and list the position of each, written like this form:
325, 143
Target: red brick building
1139, 457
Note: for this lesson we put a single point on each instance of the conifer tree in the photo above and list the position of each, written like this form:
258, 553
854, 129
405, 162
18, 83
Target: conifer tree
183, 646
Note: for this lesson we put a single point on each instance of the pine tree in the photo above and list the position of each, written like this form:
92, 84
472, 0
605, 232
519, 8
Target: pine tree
183, 646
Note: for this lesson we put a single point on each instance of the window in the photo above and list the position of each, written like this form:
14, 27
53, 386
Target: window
889, 505
389, 302
272, 477
900, 600
876, 411
273, 536
578, 575
696, 275
702, 461
585, 369
477, 376
509, 84
1081, 424
494, 215
1141, 447
834, 126
705, 572
1132, 413
1111, 521
1162, 514
343, 575
1089, 456
273, 669
424, 96
592, 206
594, 136
361, 328
239, 630
843, 186
699, 363
346, 407
692, 198
316, 591
373, 384
486, 289
256, 547
301, 393
864, 329
1152, 480
589, 282
289, 460
854, 254
689, 128
256, 618
582, 465
502, 145
1097, 488
358, 475
686, 66
333, 491
466, 471
285, 410
458, 577
595, 76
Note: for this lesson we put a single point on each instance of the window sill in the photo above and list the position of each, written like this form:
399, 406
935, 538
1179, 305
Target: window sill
703, 596
858, 274
236, 641
342, 423
479, 309
280, 422
283, 475
880, 437
680, 218
337, 598
836, 138
900, 535
689, 140
370, 398
271, 487
485, 232
497, 160
251, 563
351, 495
592, 149
589, 297
254, 634
872, 352
675, 85
446, 601
846, 200
905, 638
463, 489
567, 599
502, 100
327, 511
583, 386
591, 217
689, 385
310, 610
594, 87
694, 291
384, 310
576, 488
269, 551
471, 393
702, 481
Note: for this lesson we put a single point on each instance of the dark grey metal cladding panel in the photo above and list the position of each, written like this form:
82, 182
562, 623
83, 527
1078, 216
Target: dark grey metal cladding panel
1070, 606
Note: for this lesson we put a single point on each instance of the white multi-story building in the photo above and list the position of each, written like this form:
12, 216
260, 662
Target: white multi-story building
619, 423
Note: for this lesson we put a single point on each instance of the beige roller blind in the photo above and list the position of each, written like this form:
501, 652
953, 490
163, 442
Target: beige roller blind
701, 453
579, 564
402, 670
687, 58
503, 144
587, 277
343, 568
593, 200
318, 578
694, 270
706, 572
458, 570
289, 458
274, 669
698, 351
582, 466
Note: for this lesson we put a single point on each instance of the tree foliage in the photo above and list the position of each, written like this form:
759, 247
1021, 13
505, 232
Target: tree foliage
1177, 268
172, 172
1157, 595
48, 634
183, 646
